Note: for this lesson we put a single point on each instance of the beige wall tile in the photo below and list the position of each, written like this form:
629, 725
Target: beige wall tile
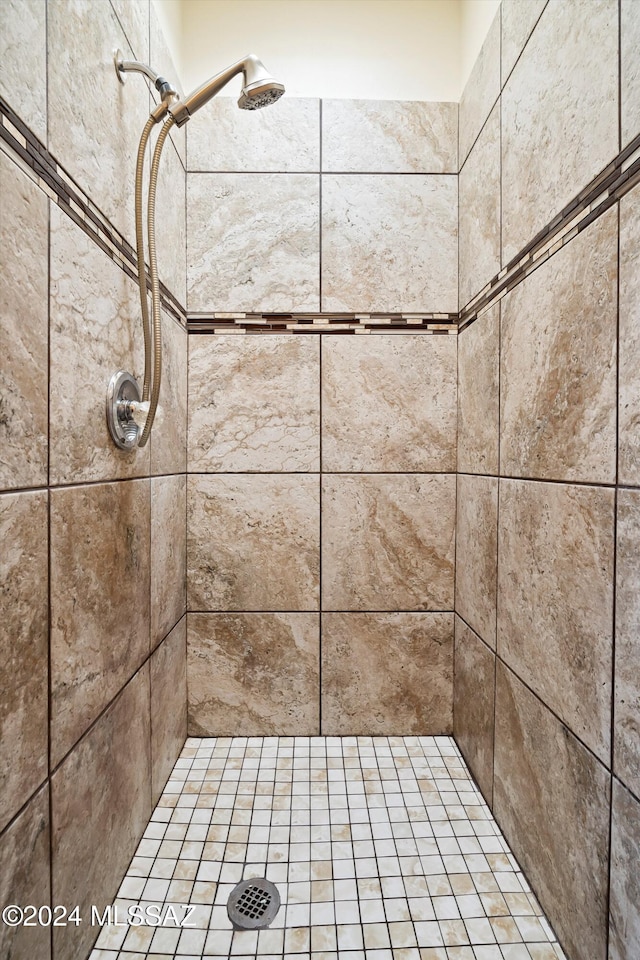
253, 542
254, 403
546, 158
558, 364
134, 19
551, 799
624, 911
478, 400
389, 136
171, 223
24, 626
24, 878
24, 225
283, 139
389, 403
479, 186
476, 554
99, 600
389, 243
629, 396
101, 802
519, 18
23, 62
388, 542
375, 669
95, 330
473, 705
168, 553
626, 748
555, 600
630, 70
168, 439
254, 674
253, 242
168, 667
481, 91
162, 61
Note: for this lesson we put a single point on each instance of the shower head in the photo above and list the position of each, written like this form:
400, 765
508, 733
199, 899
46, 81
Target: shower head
259, 89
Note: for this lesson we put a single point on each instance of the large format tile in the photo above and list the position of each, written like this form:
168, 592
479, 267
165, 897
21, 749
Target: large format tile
95, 330
629, 389
168, 553
134, 19
254, 403
99, 600
24, 628
519, 18
374, 667
388, 542
101, 802
253, 242
473, 704
478, 394
171, 223
389, 403
630, 70
555, 600
253, 542
283, 139
389, 243
624, 909
24, 373
559, 115
626, 745
168, 667
253, 674
481, 90
477, 554
162, 61
551, 799
24, 879
168, 438
479, 186
389, 136
23, 62
558, 364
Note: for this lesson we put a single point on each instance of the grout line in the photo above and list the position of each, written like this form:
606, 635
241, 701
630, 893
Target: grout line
321, 497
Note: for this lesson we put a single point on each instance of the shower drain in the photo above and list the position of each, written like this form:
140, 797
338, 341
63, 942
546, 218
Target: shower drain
253, 904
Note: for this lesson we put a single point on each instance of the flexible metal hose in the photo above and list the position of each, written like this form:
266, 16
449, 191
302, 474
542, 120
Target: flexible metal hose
155, 286
142, 274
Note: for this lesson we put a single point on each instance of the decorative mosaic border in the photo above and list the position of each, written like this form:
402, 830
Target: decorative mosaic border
264, 323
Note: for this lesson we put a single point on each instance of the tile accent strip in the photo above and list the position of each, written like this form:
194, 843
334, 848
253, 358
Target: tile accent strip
261, 323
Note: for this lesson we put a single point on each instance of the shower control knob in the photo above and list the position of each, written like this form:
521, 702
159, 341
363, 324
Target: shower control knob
125, 413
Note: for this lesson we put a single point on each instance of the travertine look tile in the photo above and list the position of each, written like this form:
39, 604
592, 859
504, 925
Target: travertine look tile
171, 223
24, 626
23, 345
253, 242
161, 58
629, 396
99, 600
478, 399
389, 136
168, 553
481, 91
254, 403
473, 705
624, 910
555, 599
551, 799
626, 747
519, 18
253, 542
558, 364
630, 70
134, 18
168, 439
389, 243
168, 667
24, 879
559, 115
101, 802
389, 403
384, 672
23, 62
283, 139
388, 542
95, 330
476, 554
254, 674
479, 186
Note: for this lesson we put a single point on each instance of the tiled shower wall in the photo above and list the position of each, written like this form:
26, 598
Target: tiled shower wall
93, 539
547, 645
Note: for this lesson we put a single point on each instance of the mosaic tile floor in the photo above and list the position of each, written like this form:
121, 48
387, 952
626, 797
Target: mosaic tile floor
381, 847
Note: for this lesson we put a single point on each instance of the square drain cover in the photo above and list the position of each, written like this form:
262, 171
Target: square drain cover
253, 904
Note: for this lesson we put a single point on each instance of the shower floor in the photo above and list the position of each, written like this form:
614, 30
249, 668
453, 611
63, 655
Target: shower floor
381, 847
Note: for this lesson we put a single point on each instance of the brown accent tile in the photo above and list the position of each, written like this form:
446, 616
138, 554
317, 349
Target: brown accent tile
628, 401
479, 185
168, 439
626, 747
551, 799
168, 667
99, 600
478, 400
476, 554
168, 553
473, 705
386, 673
624, 909
253, 674
481, 90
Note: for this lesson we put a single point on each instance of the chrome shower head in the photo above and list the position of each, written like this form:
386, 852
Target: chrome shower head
259, 89
262, 95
